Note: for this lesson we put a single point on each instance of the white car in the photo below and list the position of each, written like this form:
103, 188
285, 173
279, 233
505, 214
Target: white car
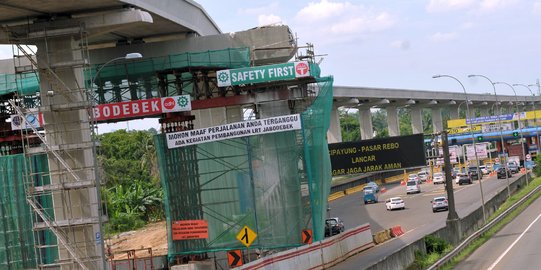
395, 203
413, 177
438, 178
423, 176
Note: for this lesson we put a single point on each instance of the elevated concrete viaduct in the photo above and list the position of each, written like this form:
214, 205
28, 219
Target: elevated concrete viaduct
366, 98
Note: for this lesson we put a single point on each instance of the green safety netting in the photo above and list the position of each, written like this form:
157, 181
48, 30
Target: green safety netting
128, 79
24, 84
275, 184
17, 239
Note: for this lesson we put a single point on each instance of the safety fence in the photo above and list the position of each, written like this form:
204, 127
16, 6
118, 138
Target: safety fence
318, 255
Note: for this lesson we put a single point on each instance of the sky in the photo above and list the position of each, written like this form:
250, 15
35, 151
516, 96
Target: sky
402, 44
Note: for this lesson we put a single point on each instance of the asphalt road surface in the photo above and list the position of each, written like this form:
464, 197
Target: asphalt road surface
515, 246
417, 220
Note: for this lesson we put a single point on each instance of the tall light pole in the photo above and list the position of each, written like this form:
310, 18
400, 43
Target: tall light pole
472, 139
498, 107
519, 126
97, 178
535, 120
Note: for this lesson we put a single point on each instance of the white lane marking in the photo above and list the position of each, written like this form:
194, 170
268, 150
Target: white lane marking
511, 246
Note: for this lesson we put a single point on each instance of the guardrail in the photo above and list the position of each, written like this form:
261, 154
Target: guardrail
441, 262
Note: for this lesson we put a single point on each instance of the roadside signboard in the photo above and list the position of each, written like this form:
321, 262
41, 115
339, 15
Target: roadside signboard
234, 130
385, 154
481, 151
259, 74
246, 236
190, 229
33, 119
142, 108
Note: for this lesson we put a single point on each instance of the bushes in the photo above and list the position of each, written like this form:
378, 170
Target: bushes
435, 247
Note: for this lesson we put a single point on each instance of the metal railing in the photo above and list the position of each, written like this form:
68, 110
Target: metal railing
449, 256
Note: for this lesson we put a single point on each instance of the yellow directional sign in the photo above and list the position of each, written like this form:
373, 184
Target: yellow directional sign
458, 130
246, 236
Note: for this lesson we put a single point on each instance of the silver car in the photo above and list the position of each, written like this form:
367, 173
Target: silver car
438, 178
439, 203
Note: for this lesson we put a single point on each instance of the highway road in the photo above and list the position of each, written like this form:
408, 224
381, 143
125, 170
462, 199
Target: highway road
417, 220
516, 246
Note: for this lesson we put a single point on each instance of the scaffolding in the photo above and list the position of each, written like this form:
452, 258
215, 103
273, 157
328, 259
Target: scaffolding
63, 191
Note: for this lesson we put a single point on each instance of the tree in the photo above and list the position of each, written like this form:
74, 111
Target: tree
349, 125
132, 191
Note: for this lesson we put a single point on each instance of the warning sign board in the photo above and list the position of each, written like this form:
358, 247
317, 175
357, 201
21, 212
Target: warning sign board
246, 236
307, 236
234, 258
190, 229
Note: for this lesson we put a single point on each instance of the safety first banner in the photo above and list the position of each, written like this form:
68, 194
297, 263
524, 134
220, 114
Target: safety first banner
234, 130
142, 108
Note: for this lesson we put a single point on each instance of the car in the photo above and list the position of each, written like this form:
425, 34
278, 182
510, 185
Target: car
438, 178
370, 195
333, 226
413, 186
413, 177
513, 167
474, 173
423, 176
373, 185
463, 178
484, 169
395, 203
439, 203
500, 172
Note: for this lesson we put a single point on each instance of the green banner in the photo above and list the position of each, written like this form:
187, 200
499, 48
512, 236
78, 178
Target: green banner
278, 72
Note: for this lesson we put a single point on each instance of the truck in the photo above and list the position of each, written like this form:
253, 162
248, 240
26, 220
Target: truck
515, 150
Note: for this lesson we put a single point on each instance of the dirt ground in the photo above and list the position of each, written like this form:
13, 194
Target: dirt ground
151, 236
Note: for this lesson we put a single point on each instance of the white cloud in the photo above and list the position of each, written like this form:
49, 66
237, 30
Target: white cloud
338, 22
268, 19
467, 25
442, 37
536, 8
490, 5
323, 10
448, 5
401, 44
273, 6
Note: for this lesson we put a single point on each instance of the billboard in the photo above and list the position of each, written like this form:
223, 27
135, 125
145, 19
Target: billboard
142, 108
377, 155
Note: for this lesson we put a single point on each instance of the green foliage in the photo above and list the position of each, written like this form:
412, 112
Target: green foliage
404, 121
379, 122
435, 247
349, 124
132, 192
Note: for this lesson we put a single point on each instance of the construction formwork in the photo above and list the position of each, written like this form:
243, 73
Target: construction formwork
275, 184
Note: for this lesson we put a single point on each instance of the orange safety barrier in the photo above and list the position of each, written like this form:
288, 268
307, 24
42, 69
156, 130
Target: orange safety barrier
396, 231
383, 190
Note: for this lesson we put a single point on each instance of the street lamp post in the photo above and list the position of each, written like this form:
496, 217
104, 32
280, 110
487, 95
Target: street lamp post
519, 126
97, 179
499, 108
472, 139
535, 118
126, 57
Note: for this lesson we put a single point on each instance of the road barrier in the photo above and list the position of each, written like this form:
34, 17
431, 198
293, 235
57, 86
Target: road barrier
396, 231
318, 255
336, 195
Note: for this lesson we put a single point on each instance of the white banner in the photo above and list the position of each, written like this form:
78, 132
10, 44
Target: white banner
234, 130
34, 119
496, 127
481, 151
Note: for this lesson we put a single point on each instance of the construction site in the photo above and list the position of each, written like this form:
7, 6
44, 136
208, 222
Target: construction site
235, 154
